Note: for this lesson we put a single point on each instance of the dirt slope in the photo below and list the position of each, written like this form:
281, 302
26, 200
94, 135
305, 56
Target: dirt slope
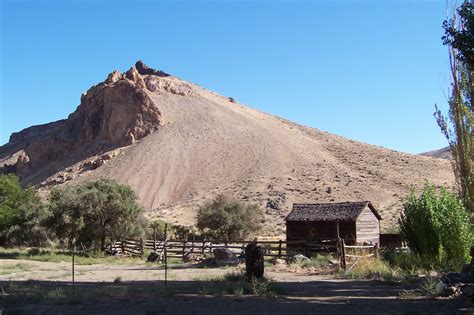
444, 153
207, 144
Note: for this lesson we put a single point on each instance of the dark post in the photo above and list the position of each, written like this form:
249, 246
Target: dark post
142, 248
154, 239
307, 238
254, 261
166, 265
73, 268
279, 249
343, 254
184, 247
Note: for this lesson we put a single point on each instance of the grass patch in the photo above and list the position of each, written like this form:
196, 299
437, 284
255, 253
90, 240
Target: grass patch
13, 268
15, 295
51, 255
237, 284
319, 261
376, 269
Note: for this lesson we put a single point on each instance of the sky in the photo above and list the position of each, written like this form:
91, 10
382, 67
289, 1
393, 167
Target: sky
367, 70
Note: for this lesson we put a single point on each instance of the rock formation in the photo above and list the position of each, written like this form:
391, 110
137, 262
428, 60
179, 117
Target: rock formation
114, 113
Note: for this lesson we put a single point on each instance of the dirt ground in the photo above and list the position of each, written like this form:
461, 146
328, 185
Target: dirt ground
299, 293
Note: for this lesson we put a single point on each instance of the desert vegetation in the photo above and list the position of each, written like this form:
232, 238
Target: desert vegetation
458, 127
436, 227
227, 218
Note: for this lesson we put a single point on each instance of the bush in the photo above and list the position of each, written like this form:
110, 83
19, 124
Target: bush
159, 226
376, 269
436, 227
95, 212
227, 218
21, 212
181, 232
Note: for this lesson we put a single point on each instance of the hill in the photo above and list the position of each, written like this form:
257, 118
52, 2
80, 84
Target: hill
444, 153
178, 145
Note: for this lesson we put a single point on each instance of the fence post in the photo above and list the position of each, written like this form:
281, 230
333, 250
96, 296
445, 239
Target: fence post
184, 248
122, 246
307, 239
279, 249
192, 244
142, 248
154, 239
203, 245
343, 254
376, 250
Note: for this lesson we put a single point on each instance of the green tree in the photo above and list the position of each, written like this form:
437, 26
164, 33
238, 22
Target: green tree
159, 226
21, 212
436, 226
227, 218
458, 127
95, 212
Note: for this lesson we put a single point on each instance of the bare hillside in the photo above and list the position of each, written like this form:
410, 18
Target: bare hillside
444, 153
198, 144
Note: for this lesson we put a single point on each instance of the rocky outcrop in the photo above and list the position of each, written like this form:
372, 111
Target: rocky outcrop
143, 69
114, 113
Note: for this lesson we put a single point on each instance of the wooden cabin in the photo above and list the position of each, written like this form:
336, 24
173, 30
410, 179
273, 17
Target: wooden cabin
355, 222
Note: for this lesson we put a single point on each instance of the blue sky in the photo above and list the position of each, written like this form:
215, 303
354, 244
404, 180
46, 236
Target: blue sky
367, 70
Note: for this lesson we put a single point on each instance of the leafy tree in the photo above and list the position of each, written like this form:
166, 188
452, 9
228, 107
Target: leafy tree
159, 226
436, 226
226, 218
458, 127
95, 212
21, 212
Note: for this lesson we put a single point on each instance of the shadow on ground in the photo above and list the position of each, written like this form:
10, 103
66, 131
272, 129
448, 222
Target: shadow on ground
195, 297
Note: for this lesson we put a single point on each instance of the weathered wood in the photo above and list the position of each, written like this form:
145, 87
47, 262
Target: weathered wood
367, 227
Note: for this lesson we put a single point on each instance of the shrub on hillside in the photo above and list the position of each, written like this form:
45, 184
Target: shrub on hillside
227, 218
21, 212
95, 212
436, 227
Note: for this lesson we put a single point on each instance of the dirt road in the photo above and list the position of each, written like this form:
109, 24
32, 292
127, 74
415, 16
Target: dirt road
142, 291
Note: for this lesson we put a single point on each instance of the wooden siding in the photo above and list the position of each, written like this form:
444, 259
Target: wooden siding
296, 230
368, 227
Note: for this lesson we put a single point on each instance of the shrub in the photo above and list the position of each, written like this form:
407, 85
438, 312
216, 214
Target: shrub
159, 226
21, 212
227, 218
95, 212
319, 261
181, 232
436, 227
374, 269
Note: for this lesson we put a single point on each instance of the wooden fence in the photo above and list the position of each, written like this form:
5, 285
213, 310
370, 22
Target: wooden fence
272, 249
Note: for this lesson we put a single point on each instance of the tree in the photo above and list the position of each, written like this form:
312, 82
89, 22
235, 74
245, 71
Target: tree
21, 212
436, 226
95, 212
458, 127
227, 218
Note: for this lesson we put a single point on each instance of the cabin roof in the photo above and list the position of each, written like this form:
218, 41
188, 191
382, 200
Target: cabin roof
343, 211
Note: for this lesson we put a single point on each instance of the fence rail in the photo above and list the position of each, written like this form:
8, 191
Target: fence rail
273, 249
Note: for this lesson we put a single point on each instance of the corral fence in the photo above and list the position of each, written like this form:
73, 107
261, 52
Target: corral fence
347, 254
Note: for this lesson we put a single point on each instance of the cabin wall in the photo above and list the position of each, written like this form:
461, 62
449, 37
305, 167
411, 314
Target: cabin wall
296, 230
368, 227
